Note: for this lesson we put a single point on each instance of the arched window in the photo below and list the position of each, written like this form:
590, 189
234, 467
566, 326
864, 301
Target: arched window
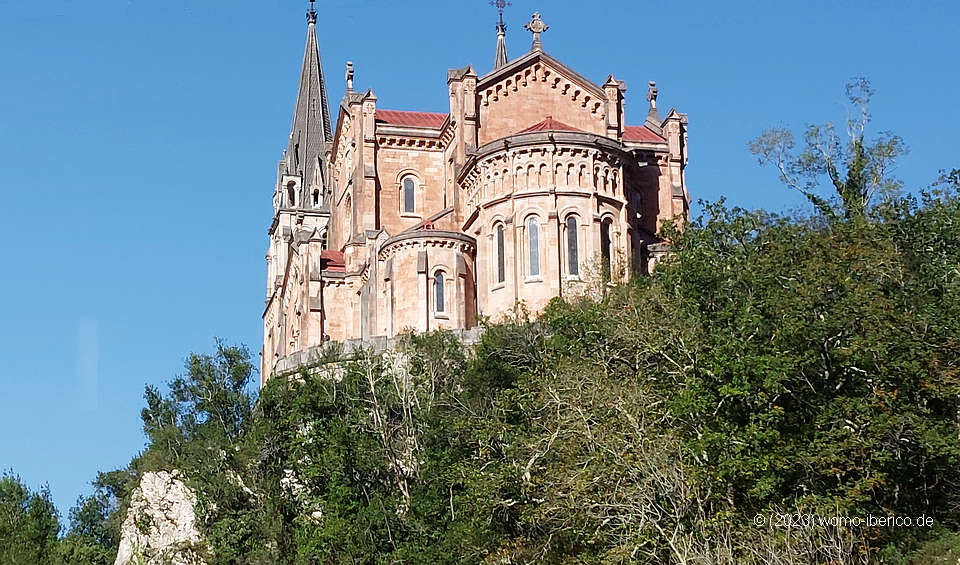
533, 239
605, 247
501, 260
409, 196
316, 197
573, 247
438, 291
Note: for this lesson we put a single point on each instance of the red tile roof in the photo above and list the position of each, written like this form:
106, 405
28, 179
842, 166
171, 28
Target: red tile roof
332, 260
550, 124
641, 133
411, 119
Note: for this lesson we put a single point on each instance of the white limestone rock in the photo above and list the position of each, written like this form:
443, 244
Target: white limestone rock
160, 526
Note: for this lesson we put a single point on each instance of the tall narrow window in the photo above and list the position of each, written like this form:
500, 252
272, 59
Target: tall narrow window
438, 291
409, 202
291, 194
605, 248
573, 251
533, 238
501, 260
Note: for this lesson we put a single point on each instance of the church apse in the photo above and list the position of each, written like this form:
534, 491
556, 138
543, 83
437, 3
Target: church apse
417, 221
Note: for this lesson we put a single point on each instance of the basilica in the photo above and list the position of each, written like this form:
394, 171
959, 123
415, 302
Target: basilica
388, 221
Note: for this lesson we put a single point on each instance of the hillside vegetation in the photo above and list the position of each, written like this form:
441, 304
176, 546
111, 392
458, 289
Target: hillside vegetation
773, 365
774, 371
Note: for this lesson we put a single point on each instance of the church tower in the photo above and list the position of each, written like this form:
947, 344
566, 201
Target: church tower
300, 215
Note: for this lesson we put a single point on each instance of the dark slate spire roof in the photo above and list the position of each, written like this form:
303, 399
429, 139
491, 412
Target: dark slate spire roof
311, 129
501, 58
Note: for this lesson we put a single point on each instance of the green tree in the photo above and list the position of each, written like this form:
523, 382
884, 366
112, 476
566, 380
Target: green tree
29, 523
208, 407
95, 520
857, 168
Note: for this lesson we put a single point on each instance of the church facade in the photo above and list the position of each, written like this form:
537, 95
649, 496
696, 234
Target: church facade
387, 221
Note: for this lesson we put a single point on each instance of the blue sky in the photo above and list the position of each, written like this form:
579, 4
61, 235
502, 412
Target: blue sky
139, 141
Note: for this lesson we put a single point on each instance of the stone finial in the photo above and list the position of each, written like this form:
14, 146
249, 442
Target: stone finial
536, 27
652, 95
311, 14
349, 76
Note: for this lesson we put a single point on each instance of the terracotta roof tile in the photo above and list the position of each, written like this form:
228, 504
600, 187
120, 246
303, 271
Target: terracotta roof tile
550, 124
641, 133
333, 260
411, 119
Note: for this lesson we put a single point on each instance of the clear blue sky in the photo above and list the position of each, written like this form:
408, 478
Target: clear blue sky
139, 141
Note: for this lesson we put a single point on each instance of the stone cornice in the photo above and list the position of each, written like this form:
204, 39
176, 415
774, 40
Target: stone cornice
511, 68
555, 139
427, 238
317, 212
415, 143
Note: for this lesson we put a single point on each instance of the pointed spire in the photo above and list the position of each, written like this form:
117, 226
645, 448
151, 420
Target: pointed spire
501, 57
311, 128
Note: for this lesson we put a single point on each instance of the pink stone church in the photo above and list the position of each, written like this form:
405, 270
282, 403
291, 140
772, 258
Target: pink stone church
388, 221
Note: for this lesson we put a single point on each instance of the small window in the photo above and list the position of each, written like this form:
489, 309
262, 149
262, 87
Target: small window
409, 196
438, 291
533, 238
501, 260
573, 251
316, 197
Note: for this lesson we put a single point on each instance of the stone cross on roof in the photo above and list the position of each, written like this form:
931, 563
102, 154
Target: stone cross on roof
312, 14
536, 26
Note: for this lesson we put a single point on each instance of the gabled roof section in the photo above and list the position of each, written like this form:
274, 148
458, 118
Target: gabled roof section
549, 124
532, 57
403, 118
311, 128
641, 134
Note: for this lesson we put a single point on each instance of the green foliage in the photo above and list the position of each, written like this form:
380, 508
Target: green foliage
206, 409
29, 523
858, 168
94, 533
771, 365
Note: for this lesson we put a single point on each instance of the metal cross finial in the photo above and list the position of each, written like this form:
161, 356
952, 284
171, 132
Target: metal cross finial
536, 26
500, 5
311, 14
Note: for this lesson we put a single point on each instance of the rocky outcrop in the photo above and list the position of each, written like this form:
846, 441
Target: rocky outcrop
160, 526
